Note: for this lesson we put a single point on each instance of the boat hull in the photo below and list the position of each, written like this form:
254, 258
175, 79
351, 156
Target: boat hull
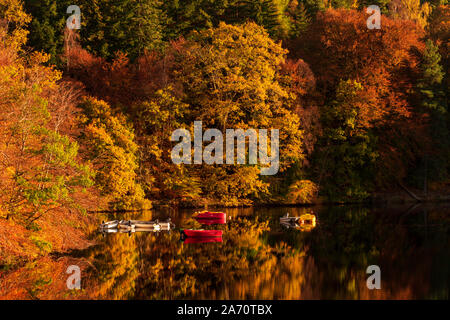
202, 233
203, 240
211, 215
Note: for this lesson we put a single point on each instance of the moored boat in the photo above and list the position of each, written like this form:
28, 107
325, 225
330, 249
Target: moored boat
305, 222
143, 224
211, 215
109, 225
136, 226
202, 233
203, 240
209, 218
208, 222
125, 224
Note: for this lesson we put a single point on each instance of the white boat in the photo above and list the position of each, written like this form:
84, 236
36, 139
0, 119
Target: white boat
305, 221
109, 225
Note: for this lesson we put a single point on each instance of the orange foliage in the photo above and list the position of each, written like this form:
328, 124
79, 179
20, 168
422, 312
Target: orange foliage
302, 84
339, 46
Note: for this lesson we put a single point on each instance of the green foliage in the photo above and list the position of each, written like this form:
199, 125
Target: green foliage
435, 103
54, 180
47, 26
430, 85
348, 153
313, 6
41, 170
229, 73
269, 14
185, 16
300, 18
383, 4
129, 26
43, 245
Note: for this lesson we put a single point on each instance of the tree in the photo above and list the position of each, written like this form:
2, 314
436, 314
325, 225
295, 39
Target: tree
382, 4
347, 151
430, 85
40, 167
338, 45
434, 102
299, 18
188, 15
439, 31
154, 120
47, 26
411, 9
113, 153
129, 26
269, 14
231, 78
14, 21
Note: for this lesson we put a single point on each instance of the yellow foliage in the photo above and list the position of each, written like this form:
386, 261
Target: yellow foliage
114, 155
412, 10
15, 19
303, 191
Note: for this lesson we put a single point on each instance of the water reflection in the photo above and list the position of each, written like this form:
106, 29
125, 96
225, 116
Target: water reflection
258, 258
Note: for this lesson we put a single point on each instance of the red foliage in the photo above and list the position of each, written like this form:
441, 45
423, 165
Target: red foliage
119, 82
112, 81
301, 81
339, 46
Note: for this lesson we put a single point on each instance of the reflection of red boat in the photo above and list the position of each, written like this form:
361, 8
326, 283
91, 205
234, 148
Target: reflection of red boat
202, 233
203, 239
208, 218
211, 215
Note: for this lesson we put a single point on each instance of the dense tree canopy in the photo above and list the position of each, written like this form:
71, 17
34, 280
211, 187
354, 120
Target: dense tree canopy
357, 108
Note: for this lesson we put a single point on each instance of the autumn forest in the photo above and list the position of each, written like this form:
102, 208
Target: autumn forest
86, 113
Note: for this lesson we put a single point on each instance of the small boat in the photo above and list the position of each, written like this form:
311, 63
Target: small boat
109, 225
154, 227
103, 231
209, 218
211, 215
203, 240
208, 222
143, 224
305, 222
202, 233
166, 226
125, 224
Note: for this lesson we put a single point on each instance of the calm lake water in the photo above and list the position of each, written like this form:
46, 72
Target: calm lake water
260, 259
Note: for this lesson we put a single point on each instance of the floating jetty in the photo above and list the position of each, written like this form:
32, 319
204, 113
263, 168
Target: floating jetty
135, 226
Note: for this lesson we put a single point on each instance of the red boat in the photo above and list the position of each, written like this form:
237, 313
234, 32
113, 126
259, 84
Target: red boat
207, 217
208, 222
202, 233
203, 240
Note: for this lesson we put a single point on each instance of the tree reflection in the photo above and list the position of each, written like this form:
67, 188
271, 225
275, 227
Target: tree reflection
258, 259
